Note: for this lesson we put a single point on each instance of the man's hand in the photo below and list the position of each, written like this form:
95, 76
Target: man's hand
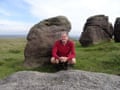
63, 59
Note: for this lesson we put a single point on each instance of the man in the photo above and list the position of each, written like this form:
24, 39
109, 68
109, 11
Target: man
63, 51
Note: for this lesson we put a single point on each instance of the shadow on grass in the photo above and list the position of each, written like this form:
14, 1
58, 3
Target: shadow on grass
48, 68
14, 51
1, 63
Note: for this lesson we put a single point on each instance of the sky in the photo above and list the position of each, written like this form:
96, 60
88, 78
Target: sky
18, 16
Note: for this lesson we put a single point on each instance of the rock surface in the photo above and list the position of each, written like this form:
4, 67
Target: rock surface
96, 29
41, 39
117, 30
63, 80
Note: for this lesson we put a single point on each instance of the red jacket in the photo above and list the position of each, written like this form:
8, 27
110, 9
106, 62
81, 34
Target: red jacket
67, 50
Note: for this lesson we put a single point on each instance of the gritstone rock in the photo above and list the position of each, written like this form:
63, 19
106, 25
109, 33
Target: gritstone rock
117, 30
63, 80
41, 38
97, 29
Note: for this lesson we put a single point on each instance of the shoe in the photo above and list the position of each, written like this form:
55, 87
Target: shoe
70, 66
59, 66
65, 66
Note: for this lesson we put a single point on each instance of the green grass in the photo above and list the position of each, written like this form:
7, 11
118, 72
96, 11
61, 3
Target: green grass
11, 56
104, 57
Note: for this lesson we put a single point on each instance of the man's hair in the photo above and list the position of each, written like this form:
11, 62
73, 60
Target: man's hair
64, 32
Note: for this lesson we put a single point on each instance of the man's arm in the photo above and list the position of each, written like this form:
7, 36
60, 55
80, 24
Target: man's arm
54, 51
72, 53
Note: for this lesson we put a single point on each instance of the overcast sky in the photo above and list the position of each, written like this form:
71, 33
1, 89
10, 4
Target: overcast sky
18, 16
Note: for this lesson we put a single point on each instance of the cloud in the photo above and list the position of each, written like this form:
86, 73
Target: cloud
13, 27
76, 11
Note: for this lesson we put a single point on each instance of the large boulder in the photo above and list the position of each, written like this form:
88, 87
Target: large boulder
117, 30
96, 29
41, 38
63, 80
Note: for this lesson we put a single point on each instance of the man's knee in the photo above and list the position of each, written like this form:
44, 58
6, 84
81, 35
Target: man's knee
53, 60
72, 61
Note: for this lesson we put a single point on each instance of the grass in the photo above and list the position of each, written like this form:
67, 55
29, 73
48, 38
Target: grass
104, 57
11, 56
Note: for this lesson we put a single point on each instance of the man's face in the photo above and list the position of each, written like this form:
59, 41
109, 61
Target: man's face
64, 38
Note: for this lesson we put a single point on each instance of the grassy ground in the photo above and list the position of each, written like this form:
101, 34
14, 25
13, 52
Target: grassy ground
104, 57
11, 56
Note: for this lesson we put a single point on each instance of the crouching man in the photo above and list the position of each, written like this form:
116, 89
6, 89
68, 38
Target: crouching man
63, 52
